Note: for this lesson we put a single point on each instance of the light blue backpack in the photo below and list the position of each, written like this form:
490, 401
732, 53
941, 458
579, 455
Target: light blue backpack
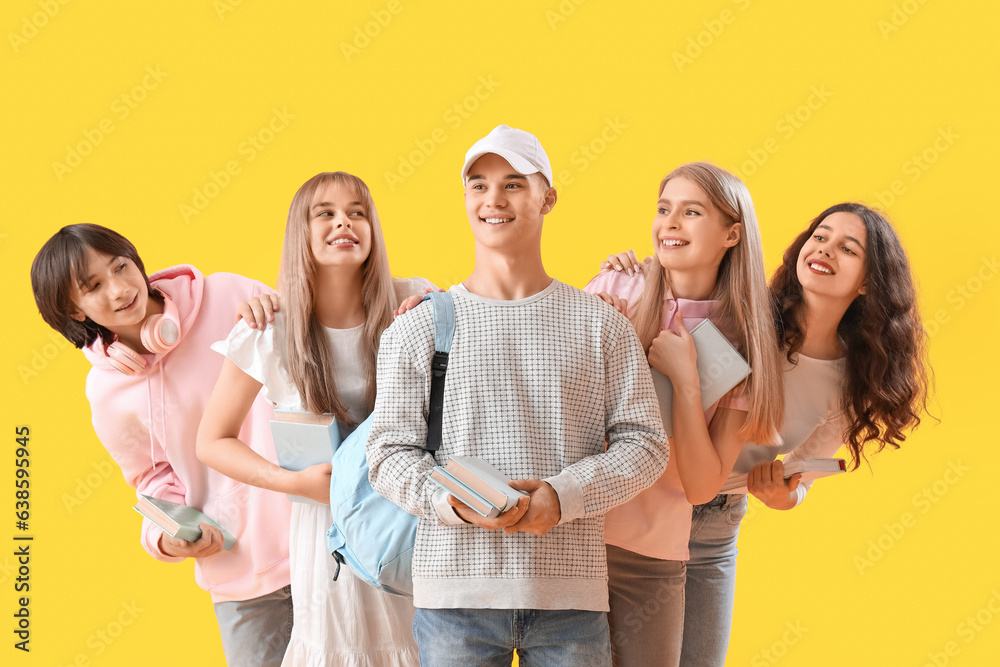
370, 533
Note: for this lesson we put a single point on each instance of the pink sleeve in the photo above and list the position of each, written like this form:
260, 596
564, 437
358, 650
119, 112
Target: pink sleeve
161, 483
131, 447
128, 441
618, 283
260, 288
736, 398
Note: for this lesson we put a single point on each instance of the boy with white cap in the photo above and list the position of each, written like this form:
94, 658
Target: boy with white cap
540, 375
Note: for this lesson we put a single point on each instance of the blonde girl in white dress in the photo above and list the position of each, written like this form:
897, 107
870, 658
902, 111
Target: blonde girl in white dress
337, 296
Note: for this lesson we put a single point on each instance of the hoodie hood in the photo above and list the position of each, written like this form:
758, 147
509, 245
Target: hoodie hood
185, 286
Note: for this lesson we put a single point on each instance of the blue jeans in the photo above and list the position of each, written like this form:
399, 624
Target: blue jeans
488, 637
711, 580
255, 632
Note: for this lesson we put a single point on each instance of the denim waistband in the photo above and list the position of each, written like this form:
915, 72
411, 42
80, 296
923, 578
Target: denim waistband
724, 500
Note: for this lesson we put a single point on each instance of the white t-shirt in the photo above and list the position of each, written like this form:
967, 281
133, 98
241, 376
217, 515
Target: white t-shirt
261, 355
814, 417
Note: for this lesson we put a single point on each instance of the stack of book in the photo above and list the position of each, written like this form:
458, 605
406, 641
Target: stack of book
477, 484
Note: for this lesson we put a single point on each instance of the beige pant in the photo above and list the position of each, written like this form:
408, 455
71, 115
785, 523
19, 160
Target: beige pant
647, 609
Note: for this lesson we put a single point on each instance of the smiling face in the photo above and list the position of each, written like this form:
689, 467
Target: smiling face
339, 230
689, 231
113, 293
832, 261
506, 208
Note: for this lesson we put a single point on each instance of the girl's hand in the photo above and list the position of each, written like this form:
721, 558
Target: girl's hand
767, 482
623, 261
621, 305
258, 310
674, 355
211, 542
410, 302
314, 482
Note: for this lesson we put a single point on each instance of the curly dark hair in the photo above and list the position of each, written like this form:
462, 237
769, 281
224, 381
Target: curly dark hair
886, 379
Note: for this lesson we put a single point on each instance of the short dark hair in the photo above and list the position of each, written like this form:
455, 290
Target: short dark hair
61, 264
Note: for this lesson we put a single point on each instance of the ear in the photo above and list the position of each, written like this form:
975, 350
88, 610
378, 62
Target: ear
548, 201
77, 315
863, 289
734, 235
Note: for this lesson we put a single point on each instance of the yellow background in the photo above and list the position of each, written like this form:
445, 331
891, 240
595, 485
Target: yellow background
885, 79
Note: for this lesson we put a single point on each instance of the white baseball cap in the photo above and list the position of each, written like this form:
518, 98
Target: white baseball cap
521, 149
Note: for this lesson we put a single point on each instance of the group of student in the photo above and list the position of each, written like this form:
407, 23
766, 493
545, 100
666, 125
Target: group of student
548, 383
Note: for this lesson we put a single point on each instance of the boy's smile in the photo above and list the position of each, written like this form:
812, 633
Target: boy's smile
499, 198
114, 295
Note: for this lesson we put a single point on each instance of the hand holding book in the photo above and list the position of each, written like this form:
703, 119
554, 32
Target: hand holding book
500, 522
543, 510
766, 481
775, 483
210, 542
674, 355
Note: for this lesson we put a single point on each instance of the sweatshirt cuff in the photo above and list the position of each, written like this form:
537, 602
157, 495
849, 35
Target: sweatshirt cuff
570, 495
800, 494
151, 541
445, 513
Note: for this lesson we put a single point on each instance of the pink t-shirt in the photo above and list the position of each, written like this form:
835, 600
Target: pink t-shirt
657, 522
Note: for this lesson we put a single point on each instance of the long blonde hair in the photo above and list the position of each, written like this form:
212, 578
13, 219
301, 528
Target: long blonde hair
744, 301
307, 352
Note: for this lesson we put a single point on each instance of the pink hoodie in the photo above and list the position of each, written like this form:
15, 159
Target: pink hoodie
148, 424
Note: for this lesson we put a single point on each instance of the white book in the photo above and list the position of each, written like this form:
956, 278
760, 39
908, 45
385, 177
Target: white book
811, 469
720, 368
477, 484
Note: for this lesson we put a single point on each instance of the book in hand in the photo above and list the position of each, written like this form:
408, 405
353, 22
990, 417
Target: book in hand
179, 521
303, 439
477, 484
811, 469
720, 368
